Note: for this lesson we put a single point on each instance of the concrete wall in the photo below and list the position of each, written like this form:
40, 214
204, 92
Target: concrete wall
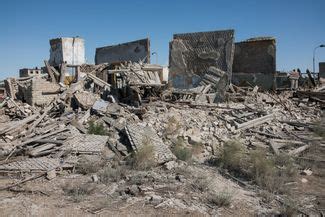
29, 72
70, 50
131, 51
322, 69
192, 54
37, 91
255, 62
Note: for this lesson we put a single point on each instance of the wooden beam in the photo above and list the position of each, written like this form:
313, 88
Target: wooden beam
49, 71
255, 122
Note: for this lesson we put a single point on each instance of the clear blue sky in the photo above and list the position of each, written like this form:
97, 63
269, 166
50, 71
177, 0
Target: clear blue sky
27, 26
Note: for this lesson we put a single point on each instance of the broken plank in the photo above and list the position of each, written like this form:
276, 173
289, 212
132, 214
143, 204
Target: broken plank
254, 122
49, 71
297, 151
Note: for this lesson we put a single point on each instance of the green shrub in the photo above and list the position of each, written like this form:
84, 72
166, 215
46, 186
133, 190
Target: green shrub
96, 128
181, 152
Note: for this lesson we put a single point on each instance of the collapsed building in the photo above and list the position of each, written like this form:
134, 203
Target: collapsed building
52, 122
133, 51
201, 59
255, 63
322, 70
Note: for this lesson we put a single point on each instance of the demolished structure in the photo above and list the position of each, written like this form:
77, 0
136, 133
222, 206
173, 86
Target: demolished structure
255, 63
122, 108
133, 51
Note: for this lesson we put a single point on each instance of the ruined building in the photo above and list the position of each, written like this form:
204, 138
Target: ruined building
322, 69
67, 50
192, 55
255, 62
30, 72
134, 51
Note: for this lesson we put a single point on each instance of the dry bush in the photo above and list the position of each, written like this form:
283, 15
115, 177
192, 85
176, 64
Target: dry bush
182, 153
221, 199
272, 173
201, 183
289, 208
144, 158
319, 128
269, 173
232, 157
180, 150
96, 128
110, 174
85, 166
172, 126
266, 196
78, 192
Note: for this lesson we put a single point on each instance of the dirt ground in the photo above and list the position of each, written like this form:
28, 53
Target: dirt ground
177, 196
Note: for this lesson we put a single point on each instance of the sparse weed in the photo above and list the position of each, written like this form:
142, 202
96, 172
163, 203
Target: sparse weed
201, 183
221, 199
181, 152
232, 156
144, 158
112, 174
85, 166
78, 192
172, 126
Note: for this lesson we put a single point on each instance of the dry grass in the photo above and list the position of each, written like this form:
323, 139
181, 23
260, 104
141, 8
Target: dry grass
268, 172
172, 126
144, 158
272, 173
78, 191
221, 199
319, 128
85, 166
201, 183
180, 150
110, 174
232, 157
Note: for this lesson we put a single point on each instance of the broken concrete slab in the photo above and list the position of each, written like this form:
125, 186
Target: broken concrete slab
86, 144
139, 135
31, 165
85, 99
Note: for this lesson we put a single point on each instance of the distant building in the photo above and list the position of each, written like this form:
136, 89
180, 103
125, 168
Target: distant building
134, 51
322, 69
30, 72
255, 62
69, 50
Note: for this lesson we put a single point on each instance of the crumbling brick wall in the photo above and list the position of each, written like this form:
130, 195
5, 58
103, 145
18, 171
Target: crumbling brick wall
255, 62
38, 91
255, 56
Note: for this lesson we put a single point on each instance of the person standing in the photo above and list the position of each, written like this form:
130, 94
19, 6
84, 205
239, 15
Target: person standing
293, 77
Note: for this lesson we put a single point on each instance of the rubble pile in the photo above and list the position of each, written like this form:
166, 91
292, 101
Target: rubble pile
143, 140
